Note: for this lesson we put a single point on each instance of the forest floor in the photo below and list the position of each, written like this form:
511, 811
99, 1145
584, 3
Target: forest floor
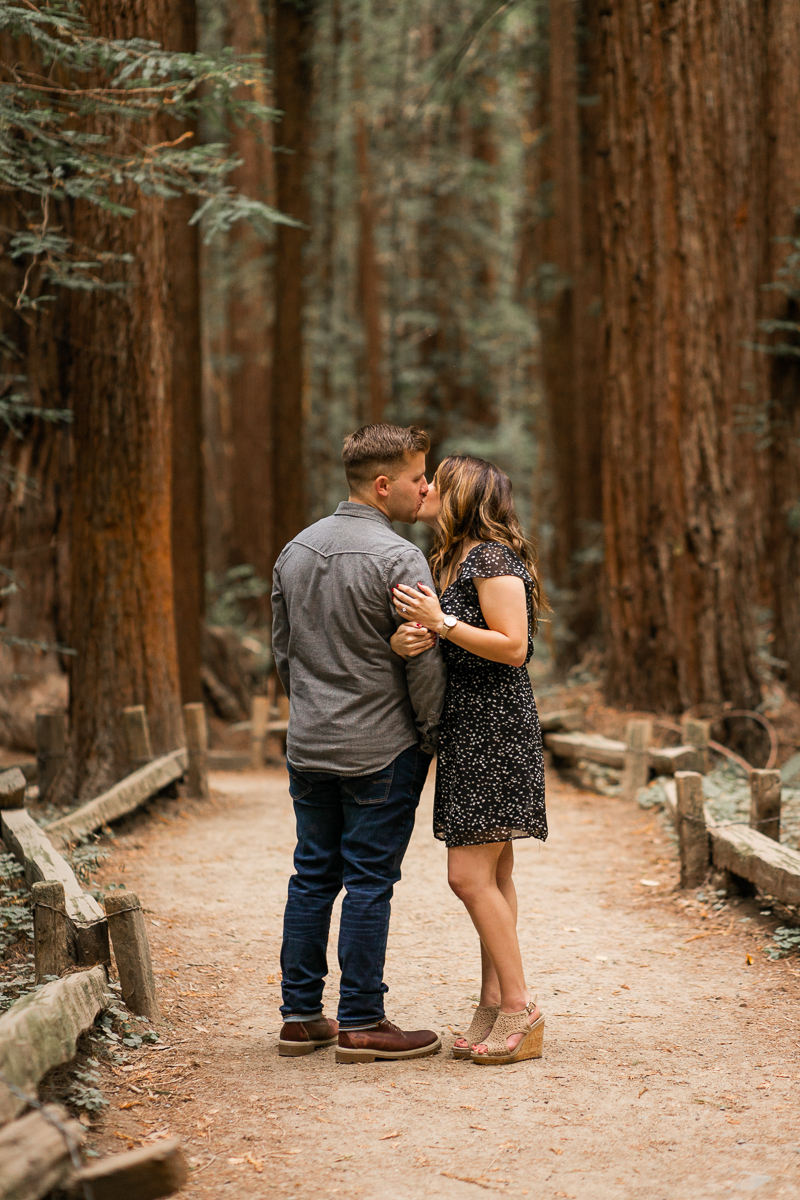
672, 1045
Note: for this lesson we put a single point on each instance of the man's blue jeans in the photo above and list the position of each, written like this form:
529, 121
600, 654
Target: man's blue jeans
352, 832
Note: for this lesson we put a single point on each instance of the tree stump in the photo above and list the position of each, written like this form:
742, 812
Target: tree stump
259, 717
693, 840
51, 747
636, 763
137, 735
132, 952
12, 789
194, 721
697, 733
51, 931
765, 803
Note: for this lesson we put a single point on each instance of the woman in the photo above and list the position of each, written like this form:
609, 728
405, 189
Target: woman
490, 772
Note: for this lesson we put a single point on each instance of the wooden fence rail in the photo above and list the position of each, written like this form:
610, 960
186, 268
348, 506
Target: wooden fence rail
41, 1030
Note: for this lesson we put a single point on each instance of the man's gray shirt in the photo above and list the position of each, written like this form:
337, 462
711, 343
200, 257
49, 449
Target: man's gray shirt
354, 704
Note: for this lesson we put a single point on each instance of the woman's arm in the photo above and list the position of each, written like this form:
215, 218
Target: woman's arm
504, 607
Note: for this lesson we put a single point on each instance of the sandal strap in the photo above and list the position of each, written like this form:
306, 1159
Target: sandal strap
507, 1024
484, 1015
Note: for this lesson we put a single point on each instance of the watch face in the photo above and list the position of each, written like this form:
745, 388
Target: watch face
450, 622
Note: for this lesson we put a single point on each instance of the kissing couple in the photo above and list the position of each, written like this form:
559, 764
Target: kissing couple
387, 660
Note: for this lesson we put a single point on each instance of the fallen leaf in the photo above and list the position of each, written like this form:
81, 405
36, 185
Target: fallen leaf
130, 1103
650, 882
466, 1179
200, 1028
483, 1127
749, 960
642, 1092
556, 1150
627, 986
387, 1136
256, 1163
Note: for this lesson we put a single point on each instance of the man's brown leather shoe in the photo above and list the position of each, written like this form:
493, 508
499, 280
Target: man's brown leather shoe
304, 1037
385, 1041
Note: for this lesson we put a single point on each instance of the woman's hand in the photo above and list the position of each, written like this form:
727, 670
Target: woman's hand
421, 606
410, 640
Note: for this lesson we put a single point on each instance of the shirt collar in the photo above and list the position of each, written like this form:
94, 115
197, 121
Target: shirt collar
351, 508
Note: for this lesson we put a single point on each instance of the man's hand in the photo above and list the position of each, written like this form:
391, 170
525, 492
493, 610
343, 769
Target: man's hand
410, 640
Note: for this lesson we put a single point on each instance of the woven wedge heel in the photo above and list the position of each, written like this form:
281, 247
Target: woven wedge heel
529, 1046
483, 1018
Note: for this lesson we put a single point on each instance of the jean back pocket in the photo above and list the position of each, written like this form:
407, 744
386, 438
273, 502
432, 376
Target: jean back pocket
369, 789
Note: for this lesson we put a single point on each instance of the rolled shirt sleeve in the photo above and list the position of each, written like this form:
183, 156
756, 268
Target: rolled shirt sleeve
426, 674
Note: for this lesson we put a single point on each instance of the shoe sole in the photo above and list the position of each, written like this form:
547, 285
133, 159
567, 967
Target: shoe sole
531, 1046
298, 1049
368, 1056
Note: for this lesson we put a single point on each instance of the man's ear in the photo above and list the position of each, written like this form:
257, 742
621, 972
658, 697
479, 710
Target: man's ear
381, 485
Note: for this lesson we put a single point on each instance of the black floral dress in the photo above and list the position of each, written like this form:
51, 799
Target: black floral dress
490, 771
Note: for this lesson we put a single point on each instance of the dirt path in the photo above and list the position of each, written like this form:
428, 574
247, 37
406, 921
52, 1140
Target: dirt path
671, 1067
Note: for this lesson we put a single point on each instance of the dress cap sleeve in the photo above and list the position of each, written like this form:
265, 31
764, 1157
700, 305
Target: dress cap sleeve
490, 560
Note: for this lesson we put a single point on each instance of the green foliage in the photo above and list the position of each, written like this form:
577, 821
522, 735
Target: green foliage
85, 857
85, 1093
16, 919
80, 121
785, 941
227, 595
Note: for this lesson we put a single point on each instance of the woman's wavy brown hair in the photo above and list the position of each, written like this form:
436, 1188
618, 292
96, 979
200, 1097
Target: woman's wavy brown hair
475, 504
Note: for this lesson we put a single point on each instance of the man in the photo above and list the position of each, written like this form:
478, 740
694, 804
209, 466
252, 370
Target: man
362, 729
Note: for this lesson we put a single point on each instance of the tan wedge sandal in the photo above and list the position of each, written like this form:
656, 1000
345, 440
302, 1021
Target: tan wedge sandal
529, 1046
483, 1018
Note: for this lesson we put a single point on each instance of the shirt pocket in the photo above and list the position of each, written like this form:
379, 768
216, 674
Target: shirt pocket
369, 789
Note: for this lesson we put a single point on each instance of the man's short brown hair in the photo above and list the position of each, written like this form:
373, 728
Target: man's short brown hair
375, 450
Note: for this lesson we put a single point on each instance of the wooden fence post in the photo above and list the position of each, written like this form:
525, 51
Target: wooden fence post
137, 735
12, 789
697, 733
194, 720
132, 952
636, 763
51, 747
51, 940
765, 803
259, 718
693, 840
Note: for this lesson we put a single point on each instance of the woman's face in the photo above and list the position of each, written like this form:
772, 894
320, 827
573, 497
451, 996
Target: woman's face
429, 509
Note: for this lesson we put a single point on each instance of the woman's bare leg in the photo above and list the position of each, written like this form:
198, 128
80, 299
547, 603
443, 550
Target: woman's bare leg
476, 874
490, 984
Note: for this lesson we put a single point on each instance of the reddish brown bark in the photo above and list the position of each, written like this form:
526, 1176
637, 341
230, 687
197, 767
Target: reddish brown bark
122, 616
684, 209
249, 327
783, 132
293, 31
369, 275
567, 248
182, 266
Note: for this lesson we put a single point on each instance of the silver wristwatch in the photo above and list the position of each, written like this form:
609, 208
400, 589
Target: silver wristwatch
449, 625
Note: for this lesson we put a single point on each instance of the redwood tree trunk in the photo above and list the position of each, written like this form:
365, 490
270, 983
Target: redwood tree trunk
293, 31
684, 203
122, 613
182, 266
568, 309
783, 81
249, 327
